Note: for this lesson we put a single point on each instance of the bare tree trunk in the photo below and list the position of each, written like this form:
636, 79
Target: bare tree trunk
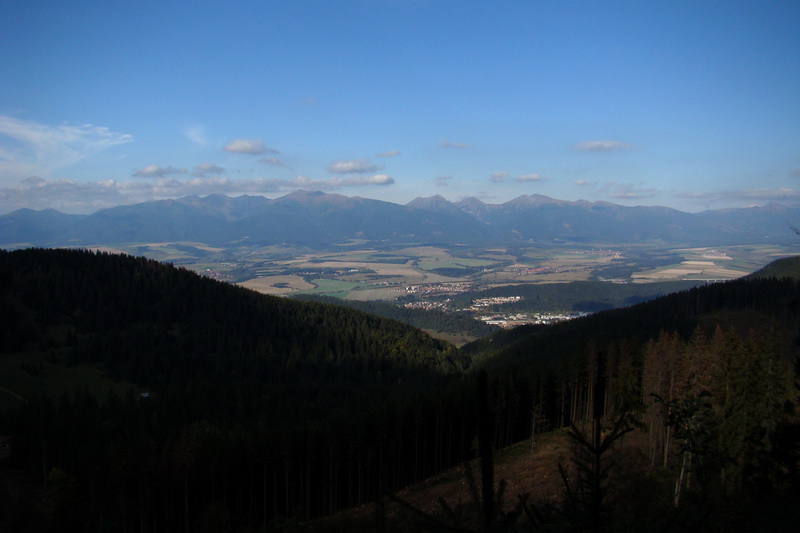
485, 451
679, 482
186, 498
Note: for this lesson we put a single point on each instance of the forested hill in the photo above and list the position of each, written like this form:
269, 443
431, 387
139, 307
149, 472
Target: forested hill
456, 324
549, 367
225, 384
787, 267
747, 303
224, 410
705, 379
154, 324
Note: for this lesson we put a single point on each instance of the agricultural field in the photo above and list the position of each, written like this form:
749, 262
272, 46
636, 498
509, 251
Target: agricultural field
277, 285
363, 272
713, 264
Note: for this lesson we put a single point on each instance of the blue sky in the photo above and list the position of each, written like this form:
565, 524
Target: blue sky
693, 105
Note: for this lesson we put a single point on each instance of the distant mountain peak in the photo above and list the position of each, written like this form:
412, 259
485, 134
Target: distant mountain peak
313, 198
534, 200
431, 202
472, 205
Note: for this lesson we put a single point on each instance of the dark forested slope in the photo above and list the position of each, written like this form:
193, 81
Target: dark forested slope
256, 407
787, 267
430, 320
259, 410
147, 321
708, 379
769, 299
589, 296
679, 414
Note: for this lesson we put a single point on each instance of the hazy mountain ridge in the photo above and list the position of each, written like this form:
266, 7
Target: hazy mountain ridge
317, 218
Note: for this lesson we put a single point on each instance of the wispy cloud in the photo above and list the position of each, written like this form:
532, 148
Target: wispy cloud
390, 153
498, 177
271, 161
249, 147
744, 197
335, 183
444, 143
154, 171
197, 134
628, 191
602, 146
30, 148
442, 181
72, 196
204, 169
64, 195
354, 166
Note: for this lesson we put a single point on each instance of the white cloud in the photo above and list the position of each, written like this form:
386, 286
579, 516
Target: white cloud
248, 146
204, 169
444, 143
390, 153
29, 148
377, 179
530, 177
581, 183
602, 146
154, 171
498, 177
355, 166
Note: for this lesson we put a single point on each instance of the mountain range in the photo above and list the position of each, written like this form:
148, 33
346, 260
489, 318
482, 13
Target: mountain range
318, 219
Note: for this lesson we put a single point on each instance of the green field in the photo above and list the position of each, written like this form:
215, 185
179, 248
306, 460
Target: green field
455, 262
331, 287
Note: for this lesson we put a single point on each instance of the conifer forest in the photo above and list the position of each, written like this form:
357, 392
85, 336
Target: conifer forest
215, 408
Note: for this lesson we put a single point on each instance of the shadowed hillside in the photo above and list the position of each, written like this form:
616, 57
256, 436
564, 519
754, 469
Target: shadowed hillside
788, 267
141, 397
206, 396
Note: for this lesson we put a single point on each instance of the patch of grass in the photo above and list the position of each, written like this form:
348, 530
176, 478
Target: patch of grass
332, 287
433, 263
